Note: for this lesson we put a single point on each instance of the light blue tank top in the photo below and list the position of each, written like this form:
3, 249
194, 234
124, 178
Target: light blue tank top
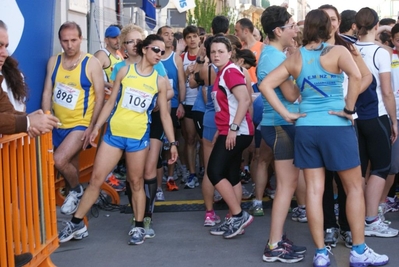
199, 104
171, 70
321, 92
209, 116
271, 58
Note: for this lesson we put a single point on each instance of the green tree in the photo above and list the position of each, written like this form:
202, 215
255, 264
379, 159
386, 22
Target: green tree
204, 12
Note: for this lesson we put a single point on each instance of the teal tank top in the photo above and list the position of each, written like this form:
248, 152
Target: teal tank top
321, 92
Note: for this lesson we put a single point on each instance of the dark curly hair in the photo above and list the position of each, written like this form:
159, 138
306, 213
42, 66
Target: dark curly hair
13, 76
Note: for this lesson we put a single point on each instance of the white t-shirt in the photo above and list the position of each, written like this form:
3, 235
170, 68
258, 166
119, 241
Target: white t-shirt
18, 105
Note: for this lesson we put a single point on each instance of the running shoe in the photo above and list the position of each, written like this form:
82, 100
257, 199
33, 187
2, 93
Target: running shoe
290, 246
171, 185
321, 260
217, 196
71, 202
211, 219
270, 192
368, 258
192, 182
280, 253
331, 237
245, 176
159, 195
149, 232
115, 183
393, 205
236, 224
72, 230
138, 236
380, 229
245, 193
256, 209
347, 237
222, 228
299, 215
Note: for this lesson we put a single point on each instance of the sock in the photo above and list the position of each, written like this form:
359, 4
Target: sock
192, 175
139, 224
303, 207
77, 189
371, 219
150, 188
391, 199
210, 211
257, 202
170, 178
321, 250
246, 168
238, 215
272, 246
359, 248
76, 220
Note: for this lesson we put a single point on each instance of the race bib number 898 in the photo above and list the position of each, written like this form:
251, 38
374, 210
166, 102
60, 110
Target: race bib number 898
136, 100
66, 96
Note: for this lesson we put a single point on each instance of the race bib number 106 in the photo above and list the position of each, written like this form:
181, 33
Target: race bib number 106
66, 96
136, 100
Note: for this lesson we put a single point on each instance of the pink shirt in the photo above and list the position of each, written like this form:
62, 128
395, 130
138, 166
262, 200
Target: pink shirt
225, 102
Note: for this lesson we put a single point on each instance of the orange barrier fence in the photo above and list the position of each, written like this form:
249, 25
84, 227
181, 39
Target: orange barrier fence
27, 199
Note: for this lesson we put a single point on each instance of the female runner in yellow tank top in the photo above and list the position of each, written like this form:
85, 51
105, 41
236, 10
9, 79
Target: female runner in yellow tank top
137, 88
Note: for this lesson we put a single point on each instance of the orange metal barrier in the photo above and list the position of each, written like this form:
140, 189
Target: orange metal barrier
27, 199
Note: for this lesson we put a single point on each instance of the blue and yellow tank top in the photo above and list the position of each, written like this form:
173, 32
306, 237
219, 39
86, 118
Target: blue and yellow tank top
113, 61
321, 92
136, 100
73, 94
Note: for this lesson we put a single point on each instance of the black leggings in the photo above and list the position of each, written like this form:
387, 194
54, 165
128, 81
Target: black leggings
225, 163
375, 145
328, 203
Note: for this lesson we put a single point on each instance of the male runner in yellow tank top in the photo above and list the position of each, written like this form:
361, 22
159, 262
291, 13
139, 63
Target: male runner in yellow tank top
74, 91
109, 56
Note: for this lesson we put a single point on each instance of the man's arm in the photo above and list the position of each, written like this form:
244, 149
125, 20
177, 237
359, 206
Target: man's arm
182, 86
48, 85
104, 62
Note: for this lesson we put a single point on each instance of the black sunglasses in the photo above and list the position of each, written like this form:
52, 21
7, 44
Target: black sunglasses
156, 50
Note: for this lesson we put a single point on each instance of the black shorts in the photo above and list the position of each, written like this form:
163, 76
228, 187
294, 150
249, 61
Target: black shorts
375, 145
198, 117
175, 120
188, 111
156, 128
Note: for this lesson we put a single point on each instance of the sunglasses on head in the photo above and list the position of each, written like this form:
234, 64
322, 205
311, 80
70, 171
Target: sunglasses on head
156, 50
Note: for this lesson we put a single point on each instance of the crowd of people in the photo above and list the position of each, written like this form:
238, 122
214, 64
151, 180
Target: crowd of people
313, 102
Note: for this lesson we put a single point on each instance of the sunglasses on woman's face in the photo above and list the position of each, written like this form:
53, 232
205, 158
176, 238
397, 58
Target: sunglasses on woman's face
156, 50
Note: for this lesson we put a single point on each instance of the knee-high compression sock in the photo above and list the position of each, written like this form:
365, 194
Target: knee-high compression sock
150, 187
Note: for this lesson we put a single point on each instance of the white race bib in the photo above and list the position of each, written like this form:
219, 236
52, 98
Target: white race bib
66, 96
171, 82
136, 100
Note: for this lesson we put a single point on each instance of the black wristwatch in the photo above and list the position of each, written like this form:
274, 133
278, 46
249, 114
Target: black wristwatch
234, 127
199, 61
350, 112
175, 143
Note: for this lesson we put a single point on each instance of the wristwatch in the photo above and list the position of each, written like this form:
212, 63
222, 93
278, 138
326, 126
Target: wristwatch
174, 143
199, 61
234, 127
350, 112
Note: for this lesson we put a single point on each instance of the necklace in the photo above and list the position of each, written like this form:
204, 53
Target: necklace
75, 64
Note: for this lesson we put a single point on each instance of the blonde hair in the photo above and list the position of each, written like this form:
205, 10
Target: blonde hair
130, 28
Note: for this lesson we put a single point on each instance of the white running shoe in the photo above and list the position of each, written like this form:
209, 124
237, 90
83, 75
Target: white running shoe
369, 257
380, 229
71, 202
